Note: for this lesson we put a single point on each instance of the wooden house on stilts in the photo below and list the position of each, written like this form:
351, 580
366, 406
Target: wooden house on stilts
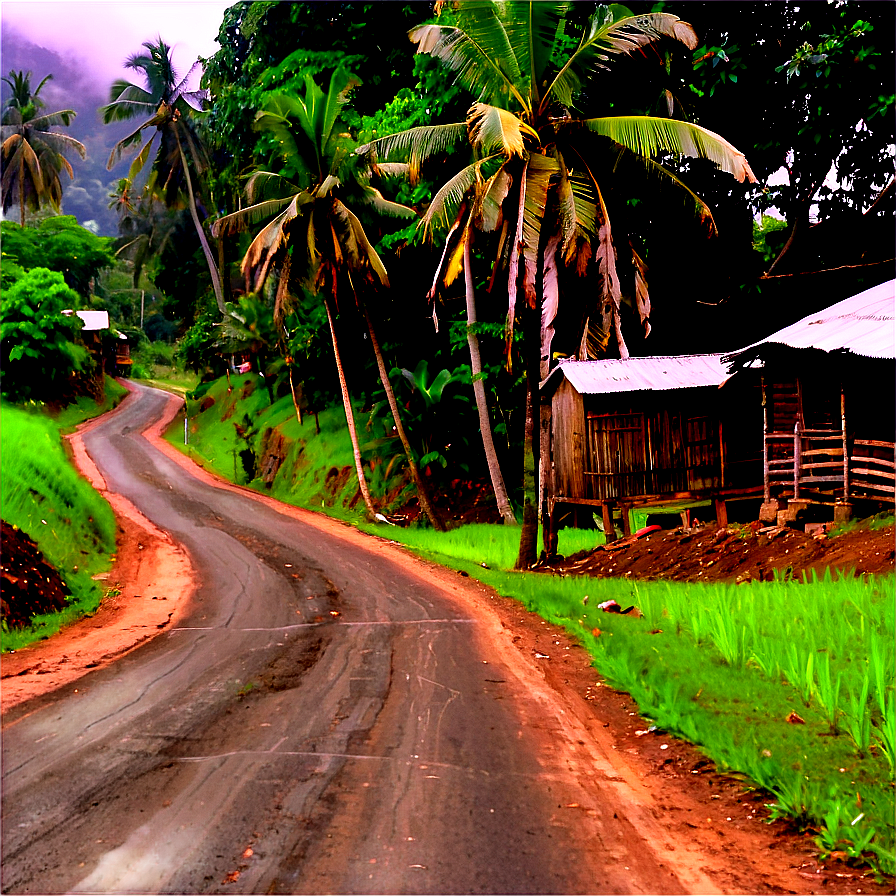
643, 432
804, 418
828, 386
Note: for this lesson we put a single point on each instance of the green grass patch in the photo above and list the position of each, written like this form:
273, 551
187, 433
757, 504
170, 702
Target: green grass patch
45, 497
724, 666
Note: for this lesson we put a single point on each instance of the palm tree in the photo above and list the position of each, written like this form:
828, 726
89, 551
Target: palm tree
317, 239
170, 108
143, 222
32, 156
536, 177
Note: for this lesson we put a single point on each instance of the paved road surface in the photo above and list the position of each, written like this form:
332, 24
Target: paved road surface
326, 719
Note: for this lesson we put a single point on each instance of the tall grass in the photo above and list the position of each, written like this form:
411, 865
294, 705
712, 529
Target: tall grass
45, 497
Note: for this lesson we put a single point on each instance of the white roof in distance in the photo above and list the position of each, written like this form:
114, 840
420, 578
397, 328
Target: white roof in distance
863, 325
640, 374
92, 320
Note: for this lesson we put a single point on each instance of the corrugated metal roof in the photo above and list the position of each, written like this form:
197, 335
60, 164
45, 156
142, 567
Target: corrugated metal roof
863, 325
640, 374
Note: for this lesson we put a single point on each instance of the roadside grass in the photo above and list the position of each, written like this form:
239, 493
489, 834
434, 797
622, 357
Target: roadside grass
723, 666
45, 497
84, 408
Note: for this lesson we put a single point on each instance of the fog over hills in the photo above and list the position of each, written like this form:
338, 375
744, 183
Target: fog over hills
75, 87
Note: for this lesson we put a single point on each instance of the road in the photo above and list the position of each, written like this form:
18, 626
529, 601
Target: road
327, 717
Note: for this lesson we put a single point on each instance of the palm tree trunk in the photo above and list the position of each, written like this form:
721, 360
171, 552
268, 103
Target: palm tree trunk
206, 249
528, 554
350, 418
485, 423
422, 492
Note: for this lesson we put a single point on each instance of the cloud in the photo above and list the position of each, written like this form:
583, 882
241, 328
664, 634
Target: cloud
97, 37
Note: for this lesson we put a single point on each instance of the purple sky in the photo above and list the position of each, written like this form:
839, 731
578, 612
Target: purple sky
100, 34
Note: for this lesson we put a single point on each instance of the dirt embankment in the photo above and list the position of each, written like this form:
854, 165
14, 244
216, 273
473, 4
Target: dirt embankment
736, 554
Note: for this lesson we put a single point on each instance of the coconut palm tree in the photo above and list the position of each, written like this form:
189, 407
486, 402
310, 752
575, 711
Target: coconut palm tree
170, 109
537, 177
32, 156
317, 240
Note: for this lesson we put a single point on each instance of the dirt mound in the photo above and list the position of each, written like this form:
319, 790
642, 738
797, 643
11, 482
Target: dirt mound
735, 553
28, 584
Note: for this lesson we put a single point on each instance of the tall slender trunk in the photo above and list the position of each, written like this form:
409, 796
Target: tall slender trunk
422, 491
206, 249
350, 418
528, 553
485, 423
295, 403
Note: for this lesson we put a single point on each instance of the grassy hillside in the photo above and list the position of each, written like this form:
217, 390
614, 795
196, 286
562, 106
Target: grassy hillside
47, 499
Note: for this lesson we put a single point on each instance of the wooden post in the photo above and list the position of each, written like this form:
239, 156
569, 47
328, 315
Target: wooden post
626, 520
766, 485
721, 512
721, 457
845, 445
797, 444
606, 510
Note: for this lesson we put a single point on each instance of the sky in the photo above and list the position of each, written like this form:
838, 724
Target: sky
99, 35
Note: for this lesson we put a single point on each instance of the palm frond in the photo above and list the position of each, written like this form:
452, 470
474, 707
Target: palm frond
62, 118
550, 302
444, 205
478, 51
341, 84
610, 289
140, 161
489, 212
647, 136
372, 197
60, 143
613, 32
127, 101
454, 247
532, 30
246, 217
416, 144
368, 253
492, 128
539, 171
264, 185
642, 296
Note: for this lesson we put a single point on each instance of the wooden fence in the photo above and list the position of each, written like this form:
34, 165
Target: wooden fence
826, 463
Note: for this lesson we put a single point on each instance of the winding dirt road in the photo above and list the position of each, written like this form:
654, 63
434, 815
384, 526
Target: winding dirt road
324, 714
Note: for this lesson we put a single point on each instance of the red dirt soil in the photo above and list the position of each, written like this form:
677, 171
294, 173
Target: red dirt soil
735, 553
680, 787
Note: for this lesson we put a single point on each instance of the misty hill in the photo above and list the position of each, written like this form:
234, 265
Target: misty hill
72, 87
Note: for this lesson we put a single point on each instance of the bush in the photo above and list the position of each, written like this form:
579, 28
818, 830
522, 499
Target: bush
39, 353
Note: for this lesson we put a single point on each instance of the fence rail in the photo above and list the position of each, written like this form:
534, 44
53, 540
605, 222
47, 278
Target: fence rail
829, 462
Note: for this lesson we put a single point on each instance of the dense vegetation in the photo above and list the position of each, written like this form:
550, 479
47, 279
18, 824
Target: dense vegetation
252, 226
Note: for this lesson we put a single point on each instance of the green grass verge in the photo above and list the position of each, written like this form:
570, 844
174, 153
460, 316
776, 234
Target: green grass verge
722, 666
45, 497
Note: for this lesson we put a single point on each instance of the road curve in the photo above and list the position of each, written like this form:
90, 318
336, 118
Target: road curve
328, 716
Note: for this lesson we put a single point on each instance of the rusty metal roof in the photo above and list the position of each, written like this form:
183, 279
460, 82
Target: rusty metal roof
863, 325
639, 374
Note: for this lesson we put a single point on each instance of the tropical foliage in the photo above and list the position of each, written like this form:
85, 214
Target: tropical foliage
39, 351
541, 169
